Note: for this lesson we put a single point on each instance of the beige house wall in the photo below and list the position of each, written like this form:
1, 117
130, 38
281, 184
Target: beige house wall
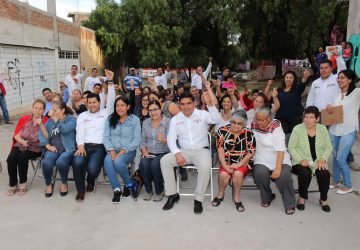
91, 54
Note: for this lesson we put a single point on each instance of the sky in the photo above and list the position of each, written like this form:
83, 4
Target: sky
63, 7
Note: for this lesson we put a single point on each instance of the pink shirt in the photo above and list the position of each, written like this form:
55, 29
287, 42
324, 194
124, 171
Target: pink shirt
228, 85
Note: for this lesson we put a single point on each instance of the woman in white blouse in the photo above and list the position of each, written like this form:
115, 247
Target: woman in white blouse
343, 135
272, 161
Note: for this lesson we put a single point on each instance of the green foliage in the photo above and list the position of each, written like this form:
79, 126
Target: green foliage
186, 32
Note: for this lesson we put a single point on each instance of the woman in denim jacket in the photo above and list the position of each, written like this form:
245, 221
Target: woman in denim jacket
122, 136
58, 138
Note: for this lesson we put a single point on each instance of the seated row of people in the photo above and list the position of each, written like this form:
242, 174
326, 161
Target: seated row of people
116, 135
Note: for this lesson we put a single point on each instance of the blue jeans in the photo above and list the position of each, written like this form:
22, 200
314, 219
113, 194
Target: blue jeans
4, 109
91, 163
150, 170
119, 165
61, 161
341, 148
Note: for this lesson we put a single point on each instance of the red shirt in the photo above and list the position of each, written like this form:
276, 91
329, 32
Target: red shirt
2, 88
21, 123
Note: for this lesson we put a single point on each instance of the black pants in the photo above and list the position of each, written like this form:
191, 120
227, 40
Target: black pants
289, 124
304, 179
18, 161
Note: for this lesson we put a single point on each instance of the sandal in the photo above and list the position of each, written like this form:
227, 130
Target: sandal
11, 192
267, 204
22, 191
239, 206
290, 211
217, 201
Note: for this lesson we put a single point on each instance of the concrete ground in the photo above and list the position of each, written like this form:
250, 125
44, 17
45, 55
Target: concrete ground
35, 222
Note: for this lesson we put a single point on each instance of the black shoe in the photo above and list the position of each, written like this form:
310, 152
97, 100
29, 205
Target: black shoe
64, 193
48, 195
90, 188
300, 206
325, 208
9, 122
184, 176
134, 190
171, 201
116, 198
126, 192
198, 208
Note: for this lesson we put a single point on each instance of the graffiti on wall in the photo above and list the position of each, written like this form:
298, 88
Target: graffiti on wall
14, 75
41, 71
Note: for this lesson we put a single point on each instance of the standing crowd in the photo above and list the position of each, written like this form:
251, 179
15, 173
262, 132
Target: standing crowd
269, 135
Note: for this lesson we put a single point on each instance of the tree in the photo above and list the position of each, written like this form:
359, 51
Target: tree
185, 32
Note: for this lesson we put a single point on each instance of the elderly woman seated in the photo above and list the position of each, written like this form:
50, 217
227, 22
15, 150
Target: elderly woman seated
272, 161
310, 148
236, 147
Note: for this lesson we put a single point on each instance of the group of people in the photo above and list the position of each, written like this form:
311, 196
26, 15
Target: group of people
269, 135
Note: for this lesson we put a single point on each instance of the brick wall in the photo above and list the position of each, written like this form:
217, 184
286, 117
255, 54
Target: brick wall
13, 11
24, 13
67, 28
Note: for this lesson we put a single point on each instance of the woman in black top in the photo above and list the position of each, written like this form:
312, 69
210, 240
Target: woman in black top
289, 95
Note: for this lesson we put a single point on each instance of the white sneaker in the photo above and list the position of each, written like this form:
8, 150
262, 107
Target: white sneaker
334, 186
341, 191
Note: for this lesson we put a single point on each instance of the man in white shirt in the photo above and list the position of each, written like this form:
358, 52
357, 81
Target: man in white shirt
73, 80
161, 79
91, 152
324, 89
189, 128
91, 80
197, 78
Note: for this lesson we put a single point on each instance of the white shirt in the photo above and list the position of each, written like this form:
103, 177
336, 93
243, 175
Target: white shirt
196, 79
90, 126
71, 84
90, 82
191, 132
351, 105
322, 92
267, 146
161, 80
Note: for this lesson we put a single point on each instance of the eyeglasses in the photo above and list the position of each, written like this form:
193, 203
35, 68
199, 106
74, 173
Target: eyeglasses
237, 123
153, 110
145, 100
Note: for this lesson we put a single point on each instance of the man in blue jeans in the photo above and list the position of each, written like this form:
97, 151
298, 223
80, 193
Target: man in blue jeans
90, 153
3, 105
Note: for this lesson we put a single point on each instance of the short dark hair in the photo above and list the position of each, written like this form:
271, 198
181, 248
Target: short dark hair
312, 110
186, 95
93, 95
326, 61
97, 84
93, 69
46, 89
255, 91
225, 68
87, 92
74, 66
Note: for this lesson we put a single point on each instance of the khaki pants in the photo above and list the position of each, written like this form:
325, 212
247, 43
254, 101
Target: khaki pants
201, 158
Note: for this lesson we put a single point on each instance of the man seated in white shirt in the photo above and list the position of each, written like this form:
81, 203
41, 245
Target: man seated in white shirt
189, 128
197, 78
92, 80
91, 153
